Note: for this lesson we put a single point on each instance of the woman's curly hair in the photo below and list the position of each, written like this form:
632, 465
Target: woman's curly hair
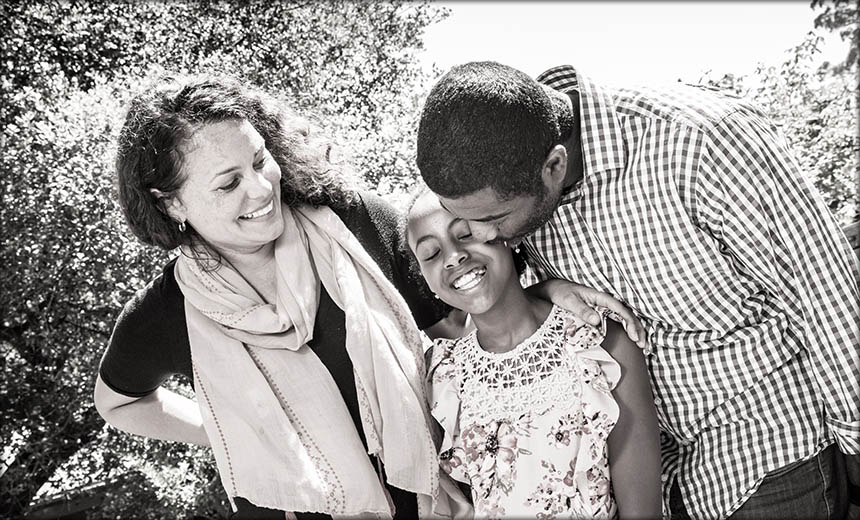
165, 116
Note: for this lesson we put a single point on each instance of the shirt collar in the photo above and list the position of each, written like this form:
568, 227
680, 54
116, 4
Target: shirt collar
601, 131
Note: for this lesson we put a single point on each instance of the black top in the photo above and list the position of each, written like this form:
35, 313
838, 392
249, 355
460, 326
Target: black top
149, 343
150, 339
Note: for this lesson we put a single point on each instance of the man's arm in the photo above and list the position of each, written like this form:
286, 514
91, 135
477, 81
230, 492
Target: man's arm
753, 199
581, 300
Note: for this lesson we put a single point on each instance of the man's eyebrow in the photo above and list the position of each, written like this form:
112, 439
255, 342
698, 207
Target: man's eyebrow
488, 218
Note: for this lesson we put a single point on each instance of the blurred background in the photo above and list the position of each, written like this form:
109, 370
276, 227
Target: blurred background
362, 69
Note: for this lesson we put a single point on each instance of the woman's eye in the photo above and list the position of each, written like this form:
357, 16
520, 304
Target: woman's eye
258, 165
231, 185
431, 256
465, 236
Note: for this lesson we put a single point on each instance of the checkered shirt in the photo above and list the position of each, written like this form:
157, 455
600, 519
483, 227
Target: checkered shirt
693, 211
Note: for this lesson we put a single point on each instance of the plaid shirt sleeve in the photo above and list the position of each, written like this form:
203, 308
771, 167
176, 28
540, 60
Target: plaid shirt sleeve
752, 198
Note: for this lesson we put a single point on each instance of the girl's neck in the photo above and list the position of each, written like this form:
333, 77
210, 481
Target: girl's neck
512, 319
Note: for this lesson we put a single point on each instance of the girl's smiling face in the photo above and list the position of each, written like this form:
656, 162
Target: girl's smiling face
464, 272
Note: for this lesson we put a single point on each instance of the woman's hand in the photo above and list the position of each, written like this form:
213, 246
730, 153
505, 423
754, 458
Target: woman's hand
580, 300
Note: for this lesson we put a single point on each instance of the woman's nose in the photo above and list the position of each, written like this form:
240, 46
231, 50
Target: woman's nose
457, 257
259, 186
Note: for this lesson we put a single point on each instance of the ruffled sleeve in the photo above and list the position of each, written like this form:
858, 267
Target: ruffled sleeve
599, 374
444, 395
600, 370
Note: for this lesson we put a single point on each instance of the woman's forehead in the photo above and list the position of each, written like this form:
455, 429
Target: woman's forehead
219, 131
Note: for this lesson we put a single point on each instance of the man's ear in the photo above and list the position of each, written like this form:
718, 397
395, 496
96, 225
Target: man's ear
170, 204
555, 168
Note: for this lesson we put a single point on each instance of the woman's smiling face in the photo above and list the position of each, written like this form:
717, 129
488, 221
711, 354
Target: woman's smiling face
231, 192
464, 272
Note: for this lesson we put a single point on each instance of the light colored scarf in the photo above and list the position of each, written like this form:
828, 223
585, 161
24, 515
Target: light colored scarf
279, 428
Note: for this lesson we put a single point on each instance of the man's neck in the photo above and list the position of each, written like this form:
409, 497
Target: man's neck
573, 145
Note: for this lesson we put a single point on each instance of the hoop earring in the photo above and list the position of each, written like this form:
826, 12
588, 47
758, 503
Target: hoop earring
182, 227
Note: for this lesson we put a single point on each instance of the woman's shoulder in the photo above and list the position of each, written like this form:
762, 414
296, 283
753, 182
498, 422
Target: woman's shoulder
157, 308
368, 209
445, 353
442, 350
584, 335
374, 222
150, 339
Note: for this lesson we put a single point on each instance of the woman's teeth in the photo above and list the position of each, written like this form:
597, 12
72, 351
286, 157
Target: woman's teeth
260, 212
470, 279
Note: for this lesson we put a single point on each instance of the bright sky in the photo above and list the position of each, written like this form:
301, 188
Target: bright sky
624, 42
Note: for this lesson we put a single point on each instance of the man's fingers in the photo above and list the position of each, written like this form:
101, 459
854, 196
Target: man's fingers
583, 310
632, 326
636, 333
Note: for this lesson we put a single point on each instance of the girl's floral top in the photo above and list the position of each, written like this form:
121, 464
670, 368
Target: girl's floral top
527, 429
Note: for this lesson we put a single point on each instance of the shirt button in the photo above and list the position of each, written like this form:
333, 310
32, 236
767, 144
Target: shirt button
658, 401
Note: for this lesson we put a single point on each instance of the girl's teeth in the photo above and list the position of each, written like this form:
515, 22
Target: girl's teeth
469, 280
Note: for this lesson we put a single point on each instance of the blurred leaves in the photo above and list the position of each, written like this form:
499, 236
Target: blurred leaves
815, 104
67, 69
842, 16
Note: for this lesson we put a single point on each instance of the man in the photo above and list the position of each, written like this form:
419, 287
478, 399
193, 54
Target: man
687, 205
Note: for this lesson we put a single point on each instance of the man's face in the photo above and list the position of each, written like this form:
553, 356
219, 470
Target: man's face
493, 219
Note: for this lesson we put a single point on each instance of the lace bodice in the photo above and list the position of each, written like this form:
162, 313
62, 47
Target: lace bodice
530, 377
527, 429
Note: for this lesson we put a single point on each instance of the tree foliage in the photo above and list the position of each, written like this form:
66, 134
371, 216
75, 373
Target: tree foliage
841, 16
67, 69
816, 105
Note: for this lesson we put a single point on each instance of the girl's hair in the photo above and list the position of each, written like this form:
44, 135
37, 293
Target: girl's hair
165, 116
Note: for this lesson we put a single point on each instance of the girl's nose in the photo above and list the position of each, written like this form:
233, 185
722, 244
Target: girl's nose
456, 258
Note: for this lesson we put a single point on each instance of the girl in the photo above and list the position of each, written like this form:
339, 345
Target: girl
536, 413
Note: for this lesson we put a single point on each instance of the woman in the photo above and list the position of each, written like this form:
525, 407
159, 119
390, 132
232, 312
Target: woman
284, 308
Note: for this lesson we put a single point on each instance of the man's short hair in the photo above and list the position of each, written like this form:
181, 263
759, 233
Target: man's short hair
485, 124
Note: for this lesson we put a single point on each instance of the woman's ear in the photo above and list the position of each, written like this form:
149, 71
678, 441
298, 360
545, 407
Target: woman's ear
170, 204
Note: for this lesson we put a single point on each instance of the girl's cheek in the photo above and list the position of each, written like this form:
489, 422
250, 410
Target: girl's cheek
432, 281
